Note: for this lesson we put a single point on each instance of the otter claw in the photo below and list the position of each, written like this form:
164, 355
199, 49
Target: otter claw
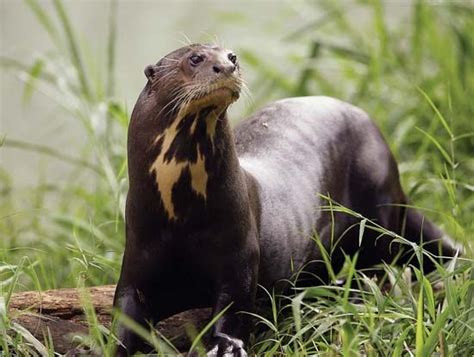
227, 346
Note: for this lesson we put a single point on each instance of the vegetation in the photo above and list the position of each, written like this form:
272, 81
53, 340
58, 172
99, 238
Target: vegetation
415, 80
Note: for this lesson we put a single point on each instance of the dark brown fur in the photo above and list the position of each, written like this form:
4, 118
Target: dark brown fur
245, 216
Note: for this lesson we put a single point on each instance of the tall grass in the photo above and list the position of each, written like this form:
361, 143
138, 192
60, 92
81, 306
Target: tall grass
83, 233
416, 81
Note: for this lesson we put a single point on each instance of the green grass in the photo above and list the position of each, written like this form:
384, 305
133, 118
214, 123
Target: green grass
415, 80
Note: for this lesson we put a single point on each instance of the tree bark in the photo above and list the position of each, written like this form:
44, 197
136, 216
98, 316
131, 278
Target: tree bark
60, 314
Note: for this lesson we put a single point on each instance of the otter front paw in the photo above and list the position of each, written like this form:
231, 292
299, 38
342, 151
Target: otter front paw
226, 346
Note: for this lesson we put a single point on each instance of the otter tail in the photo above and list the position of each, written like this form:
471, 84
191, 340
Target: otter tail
418, 229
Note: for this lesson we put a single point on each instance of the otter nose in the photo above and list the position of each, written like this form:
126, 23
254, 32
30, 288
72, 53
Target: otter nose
223, 68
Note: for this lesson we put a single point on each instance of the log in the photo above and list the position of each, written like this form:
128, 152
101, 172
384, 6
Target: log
60, 313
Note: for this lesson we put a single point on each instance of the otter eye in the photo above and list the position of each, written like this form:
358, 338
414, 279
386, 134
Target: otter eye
195, 59
232, 58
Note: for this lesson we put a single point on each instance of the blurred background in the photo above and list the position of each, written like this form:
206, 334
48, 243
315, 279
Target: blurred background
72, 70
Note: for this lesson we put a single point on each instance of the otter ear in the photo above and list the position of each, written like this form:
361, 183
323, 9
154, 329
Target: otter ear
150, 72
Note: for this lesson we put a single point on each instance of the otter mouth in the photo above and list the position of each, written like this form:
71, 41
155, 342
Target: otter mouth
221, 92
217, 93
224, 91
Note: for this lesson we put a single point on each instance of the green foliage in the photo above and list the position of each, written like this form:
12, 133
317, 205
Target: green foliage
373, 318
415, 80
83, 232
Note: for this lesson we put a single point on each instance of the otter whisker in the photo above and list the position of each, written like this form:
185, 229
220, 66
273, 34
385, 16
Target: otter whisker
170, 59
216, 40
168, 75
187, 41
178, 95
160, 81
178, 103
248, 95
183, 101
166, 66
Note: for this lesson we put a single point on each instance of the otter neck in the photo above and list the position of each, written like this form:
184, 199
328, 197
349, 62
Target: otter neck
194, 155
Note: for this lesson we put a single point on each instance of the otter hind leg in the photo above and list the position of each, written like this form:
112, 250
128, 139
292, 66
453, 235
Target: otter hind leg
415, 228
376, 189
418, 229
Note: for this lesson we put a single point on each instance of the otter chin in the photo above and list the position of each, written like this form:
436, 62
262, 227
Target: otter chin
222, 96
225, 93
213, 211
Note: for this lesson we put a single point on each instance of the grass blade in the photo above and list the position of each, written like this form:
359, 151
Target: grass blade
73, 48
112, 39
34, 74
420, 325
438, 146
46, 150
438, 114
432, 339
44, 19
207, 327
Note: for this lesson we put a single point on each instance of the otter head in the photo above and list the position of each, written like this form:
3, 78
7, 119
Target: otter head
190, 89
194, 77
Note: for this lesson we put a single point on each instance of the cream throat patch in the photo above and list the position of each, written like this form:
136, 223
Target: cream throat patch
169, 166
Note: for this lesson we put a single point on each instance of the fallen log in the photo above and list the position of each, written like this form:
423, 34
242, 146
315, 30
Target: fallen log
60, 314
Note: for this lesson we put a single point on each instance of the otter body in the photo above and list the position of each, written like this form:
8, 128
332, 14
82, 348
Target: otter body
213, 212
298, 149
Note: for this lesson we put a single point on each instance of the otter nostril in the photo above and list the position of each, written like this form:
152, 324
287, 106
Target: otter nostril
216, 69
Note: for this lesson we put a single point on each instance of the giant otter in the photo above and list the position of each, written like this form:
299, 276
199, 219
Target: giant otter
212, 212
